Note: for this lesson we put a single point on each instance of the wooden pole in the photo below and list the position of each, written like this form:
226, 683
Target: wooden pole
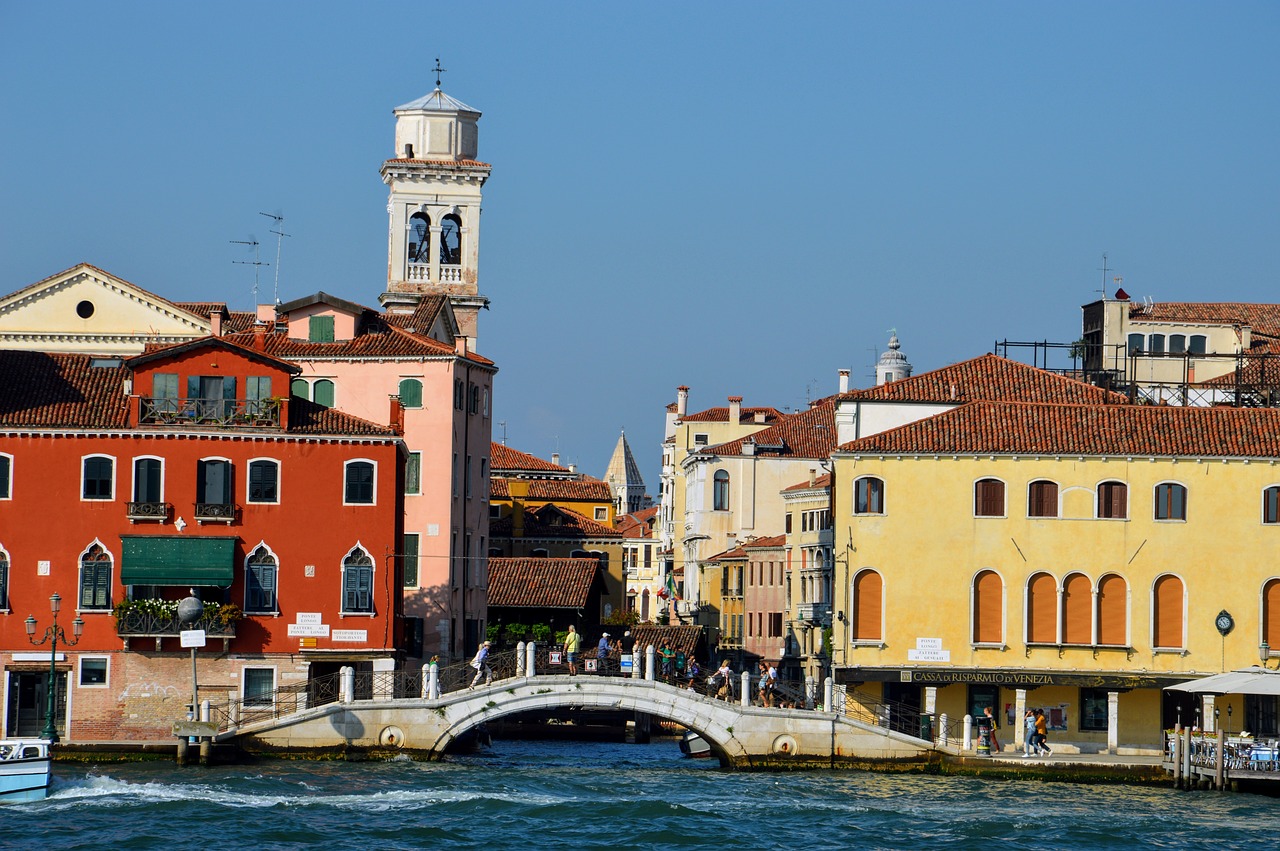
1220, 761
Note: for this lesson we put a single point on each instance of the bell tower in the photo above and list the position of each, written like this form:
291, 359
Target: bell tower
435, 181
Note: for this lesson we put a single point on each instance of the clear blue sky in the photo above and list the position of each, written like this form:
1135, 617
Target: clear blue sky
739, 197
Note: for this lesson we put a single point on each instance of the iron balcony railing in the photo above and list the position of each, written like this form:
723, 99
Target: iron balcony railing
221, 413
148, 510
143, 624
815, 612
216, 511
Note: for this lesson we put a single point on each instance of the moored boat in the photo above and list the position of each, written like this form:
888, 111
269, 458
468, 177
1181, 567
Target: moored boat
24, 770
691, 744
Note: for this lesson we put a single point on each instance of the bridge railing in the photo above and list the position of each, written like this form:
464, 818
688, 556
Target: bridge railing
893, 715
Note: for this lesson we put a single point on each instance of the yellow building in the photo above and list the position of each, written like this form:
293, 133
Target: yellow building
1076, 558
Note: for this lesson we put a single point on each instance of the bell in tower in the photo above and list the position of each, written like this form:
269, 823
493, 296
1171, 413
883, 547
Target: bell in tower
435, 182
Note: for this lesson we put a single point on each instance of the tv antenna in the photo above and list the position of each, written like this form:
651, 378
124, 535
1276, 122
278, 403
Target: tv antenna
1104, 271
255, 262
503, 424
278, 220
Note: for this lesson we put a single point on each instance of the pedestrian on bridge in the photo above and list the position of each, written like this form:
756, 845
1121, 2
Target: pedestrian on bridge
572, 644
481, 664
602, 652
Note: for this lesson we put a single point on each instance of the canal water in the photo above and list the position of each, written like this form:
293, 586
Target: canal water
575, 795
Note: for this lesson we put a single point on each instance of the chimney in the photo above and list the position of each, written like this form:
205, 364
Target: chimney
555, 458
844, 381
682, 400
735, 409
267, 313
813, 477
215, 321
460, 346
397, 415
260, 336
759, 417
573, 468
749, 447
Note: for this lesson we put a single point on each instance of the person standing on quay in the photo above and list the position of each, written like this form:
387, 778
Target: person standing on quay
572, 643
992, 726
1042, 733
1029, 736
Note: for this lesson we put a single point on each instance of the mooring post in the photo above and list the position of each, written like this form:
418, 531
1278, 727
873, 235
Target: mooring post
828, 694
1175, 753
346, 684
943, 733
182, 751
648, 663
1220, 762
810, 690
520, 660
1186, 758
968, 732
746, 688
530, 659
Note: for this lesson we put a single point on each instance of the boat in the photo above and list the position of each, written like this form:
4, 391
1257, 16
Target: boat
691, 744
24, 770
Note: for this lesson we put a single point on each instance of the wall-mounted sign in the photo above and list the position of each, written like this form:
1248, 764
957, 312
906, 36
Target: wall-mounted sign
350, 635
928, 650
303, 630
310, 618
42, 567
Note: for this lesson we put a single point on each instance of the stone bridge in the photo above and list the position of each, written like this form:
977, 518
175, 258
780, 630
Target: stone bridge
740, 736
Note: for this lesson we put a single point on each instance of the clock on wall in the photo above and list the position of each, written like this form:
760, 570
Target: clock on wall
1224, 622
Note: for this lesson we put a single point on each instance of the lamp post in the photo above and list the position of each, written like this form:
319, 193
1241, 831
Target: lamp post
51, 635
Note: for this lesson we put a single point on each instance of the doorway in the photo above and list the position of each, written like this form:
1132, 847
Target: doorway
29, 703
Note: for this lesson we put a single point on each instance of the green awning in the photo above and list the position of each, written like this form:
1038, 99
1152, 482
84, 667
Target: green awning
177, 560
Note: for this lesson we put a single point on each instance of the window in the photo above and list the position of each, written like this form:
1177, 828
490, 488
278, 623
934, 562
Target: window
485, 409
300, 388
409, 560
1177, 344
260, 582
868, 594
357, 583
359, 483
1113, 605
1155, 344
1077, 610
214, 395
1270, 612
787, 523
6, 472
322, 392
95, 579
474, 406
1094, 709
213, 482
700, 440
602, 514
988, 498
164, 392
1113, 500
264, 481
4, 580
1167, 610
1270, 503
419, 247
1042, 609
1171, 501
93, 671
320, 329
1136, 342
868, 496
466, 477
988, 608
459, 393
413, 474
720, 491
147, 480
257, 389
98, 477
410, 393
1042, 499
1196, 344
539, 553
259, 685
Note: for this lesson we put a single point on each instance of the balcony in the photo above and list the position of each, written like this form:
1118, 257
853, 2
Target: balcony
157, 619
450, 273
218, 413
148, 511
818, 613
215, 512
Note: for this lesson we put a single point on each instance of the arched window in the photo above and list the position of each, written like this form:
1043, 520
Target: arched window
1177, 344
214, 478
988, 498
98, 478
1271, 505
1196, 344
410, 393
1113, 606
4, 579
322, 392
1270, 613
720, 491
1042, 499
359, 486
1155, 344
147, 481
419, 238
644, 605
260, 581
450, 240
868, 495
1113, 500
95, 579
264, 481
1171, 501
538, 553
1042, 609
299, 388
1136, 342
357, 582
1077, 609
1167, 608
868, 597
988, 608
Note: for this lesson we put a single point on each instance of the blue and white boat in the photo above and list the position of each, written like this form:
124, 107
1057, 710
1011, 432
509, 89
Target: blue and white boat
24, 770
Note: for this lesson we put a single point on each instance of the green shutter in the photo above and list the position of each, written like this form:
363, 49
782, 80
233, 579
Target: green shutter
413, 473
300, 388
411, 393
320, 329
323, 391
410, 561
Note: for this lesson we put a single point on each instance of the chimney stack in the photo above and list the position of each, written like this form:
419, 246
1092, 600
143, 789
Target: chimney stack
735, 409
215, 322
555, 458
682, 400
460, 346
844, 381
813, 477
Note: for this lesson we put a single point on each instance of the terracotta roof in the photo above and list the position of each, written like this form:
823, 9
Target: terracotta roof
503, 457
638, 524
729, 555
203, 308
768, 542
498, 489
685, 637
553, 521
239, 320
746, 416
376, 340
1046, 429
550, 490
241, 345
309, 418
53, 390
1261, 318
823, 481
987, 377
1260, 368
550, 583
807, 434
424, 315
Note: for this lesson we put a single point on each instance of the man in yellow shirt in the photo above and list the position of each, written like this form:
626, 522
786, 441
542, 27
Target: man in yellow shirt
572, 643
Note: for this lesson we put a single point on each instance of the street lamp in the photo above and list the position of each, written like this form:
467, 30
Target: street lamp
51, 635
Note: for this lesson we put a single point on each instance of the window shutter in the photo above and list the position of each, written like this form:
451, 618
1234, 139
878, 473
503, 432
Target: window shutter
1042, 609
299, 388
1077, 610
1168, 612
1271, 613
1111, 611
987, 593
867, 611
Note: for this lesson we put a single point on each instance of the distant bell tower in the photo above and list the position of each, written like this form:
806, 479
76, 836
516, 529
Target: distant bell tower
433, 244
893, 364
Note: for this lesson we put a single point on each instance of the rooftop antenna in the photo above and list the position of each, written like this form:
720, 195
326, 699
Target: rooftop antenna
875, 359
280, 235
438, 71
503, 424
1104, 271
255, 262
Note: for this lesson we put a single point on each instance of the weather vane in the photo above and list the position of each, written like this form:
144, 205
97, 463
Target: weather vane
438, 71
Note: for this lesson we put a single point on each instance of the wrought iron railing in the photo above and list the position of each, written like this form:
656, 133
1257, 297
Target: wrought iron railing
899, 717
217, 511
223, 413
144, 624
147, 510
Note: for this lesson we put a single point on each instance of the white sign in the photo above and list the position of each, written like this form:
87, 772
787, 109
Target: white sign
192, 637
928, 643
351, 635
42, 567
302, 630
914, 655
38, 657
310, 618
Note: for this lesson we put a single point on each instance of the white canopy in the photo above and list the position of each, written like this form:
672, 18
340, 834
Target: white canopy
1253, 680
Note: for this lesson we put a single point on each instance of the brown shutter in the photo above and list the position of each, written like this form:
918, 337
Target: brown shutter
1112, 592
1168, 614
989, 498
1271, 614
867, 591
1044, 499
1077, 610
1042, 609
987, 614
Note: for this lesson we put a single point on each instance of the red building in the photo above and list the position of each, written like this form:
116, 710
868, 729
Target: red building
125, 484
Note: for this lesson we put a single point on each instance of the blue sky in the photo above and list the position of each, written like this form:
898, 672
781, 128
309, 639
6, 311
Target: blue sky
738, 197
